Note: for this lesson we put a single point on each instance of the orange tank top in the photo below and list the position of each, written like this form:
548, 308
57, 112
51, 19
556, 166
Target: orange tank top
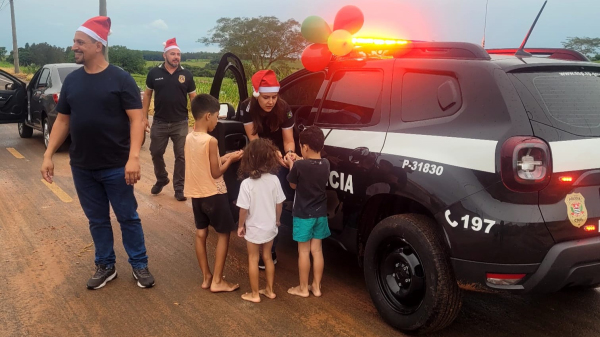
199, 182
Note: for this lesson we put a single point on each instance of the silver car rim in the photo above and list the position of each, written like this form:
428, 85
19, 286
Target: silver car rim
20, 128
46, 134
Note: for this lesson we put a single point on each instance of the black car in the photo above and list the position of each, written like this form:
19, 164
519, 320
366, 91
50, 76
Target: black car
452, 165
43, 92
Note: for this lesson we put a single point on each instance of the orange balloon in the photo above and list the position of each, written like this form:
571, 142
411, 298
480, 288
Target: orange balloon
340, 42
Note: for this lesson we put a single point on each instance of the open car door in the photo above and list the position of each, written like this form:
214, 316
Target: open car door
13, 99
230, 131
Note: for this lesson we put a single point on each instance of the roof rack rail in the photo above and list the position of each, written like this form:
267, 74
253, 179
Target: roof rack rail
553, 53
442, 50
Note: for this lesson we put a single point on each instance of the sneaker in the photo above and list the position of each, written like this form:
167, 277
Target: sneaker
143, 277
102, 276
261, 263
179, 196
157, 188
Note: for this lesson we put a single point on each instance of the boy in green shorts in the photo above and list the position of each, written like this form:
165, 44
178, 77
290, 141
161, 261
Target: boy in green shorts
309, 178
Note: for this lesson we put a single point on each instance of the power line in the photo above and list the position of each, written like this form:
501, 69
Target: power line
3, 4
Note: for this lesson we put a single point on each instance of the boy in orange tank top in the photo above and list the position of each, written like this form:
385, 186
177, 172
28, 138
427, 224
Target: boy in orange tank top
205, 186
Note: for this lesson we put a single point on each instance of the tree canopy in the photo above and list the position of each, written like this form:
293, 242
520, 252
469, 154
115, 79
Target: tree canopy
263, 40
589, 47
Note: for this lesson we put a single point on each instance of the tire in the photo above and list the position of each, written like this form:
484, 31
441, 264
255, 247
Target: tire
409, 275
25, 131
46, 131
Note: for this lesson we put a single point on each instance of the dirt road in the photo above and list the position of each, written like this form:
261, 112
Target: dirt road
46, 257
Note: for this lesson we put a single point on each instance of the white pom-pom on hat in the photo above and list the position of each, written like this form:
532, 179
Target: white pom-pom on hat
164, 44
255, 94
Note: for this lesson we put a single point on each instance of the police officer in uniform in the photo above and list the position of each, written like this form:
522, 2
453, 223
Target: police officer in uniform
172, 85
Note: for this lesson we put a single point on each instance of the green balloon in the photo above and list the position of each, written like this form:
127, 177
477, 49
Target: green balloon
315, 29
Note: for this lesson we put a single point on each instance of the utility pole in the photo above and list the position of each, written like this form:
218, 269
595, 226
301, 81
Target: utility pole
103, 13
14, 34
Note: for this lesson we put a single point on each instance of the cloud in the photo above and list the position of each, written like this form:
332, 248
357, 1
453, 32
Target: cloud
159, 24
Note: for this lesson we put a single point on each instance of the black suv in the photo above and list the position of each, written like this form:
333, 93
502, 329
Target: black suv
453, 165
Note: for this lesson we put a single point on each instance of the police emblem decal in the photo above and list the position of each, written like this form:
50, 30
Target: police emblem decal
576, 209
181, 79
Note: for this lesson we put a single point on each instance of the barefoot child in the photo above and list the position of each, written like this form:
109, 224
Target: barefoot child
204, 184
309, 178
260, 201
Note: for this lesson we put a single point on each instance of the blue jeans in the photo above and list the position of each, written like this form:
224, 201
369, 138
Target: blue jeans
97, 189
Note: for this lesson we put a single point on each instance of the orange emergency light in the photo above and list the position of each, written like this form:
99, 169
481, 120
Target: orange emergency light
369, 42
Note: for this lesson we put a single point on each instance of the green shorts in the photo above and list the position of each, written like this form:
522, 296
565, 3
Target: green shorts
313, 228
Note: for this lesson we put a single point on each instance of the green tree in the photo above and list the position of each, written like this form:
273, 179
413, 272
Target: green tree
262, 40
2, 53
132, 61
585, 45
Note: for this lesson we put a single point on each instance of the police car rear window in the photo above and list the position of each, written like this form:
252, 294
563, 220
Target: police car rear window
572, 98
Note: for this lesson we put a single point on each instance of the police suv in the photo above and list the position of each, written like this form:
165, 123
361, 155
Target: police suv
451, 164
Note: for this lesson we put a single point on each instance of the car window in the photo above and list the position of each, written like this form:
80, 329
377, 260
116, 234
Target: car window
63, 72
304, 90
427, 96
6, 83
43, 82
353, 98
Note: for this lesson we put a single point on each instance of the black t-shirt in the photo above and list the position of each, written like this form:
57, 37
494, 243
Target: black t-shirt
170, 93
275, 136
310, 177
99, 125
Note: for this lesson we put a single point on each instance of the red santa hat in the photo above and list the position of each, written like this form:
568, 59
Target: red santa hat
264, 81
171, 44
98, 28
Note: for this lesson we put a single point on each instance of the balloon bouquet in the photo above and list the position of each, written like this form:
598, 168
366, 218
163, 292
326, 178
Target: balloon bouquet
325, 42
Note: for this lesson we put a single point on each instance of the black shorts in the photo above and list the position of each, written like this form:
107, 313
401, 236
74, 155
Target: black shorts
214, 211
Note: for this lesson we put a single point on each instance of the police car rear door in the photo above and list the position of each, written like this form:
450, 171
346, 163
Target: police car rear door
354, 115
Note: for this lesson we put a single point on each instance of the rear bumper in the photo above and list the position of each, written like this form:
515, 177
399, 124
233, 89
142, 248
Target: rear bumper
567, 264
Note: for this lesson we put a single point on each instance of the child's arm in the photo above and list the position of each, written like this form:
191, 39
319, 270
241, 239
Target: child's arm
292, 176
242, 222
213, 154
279, 208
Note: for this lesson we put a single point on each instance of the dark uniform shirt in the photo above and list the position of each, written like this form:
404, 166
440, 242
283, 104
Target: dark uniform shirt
170, 93
99, 125
275, 136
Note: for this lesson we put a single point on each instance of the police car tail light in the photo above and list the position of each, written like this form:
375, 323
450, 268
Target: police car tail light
525, 164
504, 279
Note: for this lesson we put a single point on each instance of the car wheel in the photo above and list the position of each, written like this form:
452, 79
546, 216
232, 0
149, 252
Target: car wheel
46, 131
409, 276
25, 131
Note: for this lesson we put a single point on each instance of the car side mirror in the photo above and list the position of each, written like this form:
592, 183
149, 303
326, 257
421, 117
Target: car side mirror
9, 86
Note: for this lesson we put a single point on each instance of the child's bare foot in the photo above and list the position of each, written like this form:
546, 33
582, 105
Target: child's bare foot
298, 292
207, 281
315, 290
223, 286
249, 297
267, 293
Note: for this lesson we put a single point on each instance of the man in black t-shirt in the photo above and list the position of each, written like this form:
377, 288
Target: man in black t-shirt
100, 106
172, 85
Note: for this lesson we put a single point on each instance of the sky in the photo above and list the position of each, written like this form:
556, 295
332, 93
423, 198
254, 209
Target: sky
147, 24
